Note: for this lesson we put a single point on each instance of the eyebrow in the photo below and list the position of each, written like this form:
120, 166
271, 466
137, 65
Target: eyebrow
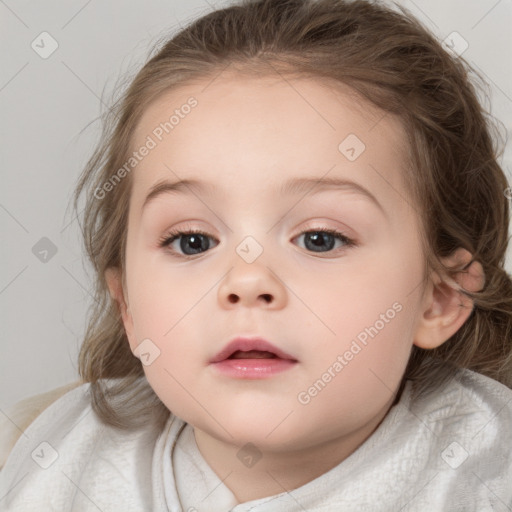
293, 186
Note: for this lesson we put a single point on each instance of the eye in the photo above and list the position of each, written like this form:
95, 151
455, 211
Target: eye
191, 241
324, 240
194, 241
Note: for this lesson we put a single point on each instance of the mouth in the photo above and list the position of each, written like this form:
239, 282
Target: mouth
252, 354
251, 364
250, 348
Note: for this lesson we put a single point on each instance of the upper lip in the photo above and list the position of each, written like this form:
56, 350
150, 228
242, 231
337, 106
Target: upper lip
247, 344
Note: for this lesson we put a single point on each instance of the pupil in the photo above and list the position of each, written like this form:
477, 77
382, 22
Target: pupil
197, 242
319, 240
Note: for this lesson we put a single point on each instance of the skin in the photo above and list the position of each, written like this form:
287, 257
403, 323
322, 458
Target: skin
248, 136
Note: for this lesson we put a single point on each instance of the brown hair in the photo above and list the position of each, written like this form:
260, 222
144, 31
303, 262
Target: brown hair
390, 60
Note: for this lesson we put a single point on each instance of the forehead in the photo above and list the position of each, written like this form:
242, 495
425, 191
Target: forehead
264, 99
259, 132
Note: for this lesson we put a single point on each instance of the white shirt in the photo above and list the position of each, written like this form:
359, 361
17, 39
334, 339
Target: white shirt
450, 450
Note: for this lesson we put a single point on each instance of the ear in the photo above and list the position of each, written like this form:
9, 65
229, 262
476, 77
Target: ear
445, 307
113, 276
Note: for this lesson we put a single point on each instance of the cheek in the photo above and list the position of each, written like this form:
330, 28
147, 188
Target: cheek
347, 304
363, 327
160, 298
166, 308
357, 375
369, 345
365, 283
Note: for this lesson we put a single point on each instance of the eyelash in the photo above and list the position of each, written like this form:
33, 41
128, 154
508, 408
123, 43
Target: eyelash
172, 235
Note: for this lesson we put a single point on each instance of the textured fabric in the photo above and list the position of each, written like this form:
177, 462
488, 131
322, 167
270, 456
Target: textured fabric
450, 450
18, 417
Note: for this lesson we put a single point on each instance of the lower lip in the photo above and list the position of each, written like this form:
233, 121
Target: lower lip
253, 368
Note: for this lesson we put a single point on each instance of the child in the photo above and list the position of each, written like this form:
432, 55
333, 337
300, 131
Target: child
337, 335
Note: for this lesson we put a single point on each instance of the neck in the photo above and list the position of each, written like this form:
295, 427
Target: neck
250, 473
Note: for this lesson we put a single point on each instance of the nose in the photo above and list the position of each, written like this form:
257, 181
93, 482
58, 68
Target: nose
252, 284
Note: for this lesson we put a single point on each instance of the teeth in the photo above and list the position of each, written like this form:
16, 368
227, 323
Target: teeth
252, 354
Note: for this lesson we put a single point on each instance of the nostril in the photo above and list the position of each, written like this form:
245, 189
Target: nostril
233, 298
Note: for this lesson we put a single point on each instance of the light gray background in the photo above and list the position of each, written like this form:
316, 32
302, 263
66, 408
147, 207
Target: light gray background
47, 103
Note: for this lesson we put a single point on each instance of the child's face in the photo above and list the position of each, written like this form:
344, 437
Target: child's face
347, 314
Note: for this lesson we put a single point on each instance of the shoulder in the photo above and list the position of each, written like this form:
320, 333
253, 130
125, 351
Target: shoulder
466, 430
15, 420
470, 395
67, 443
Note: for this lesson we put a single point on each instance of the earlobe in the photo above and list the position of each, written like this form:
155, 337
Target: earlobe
113, 277
446, 307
